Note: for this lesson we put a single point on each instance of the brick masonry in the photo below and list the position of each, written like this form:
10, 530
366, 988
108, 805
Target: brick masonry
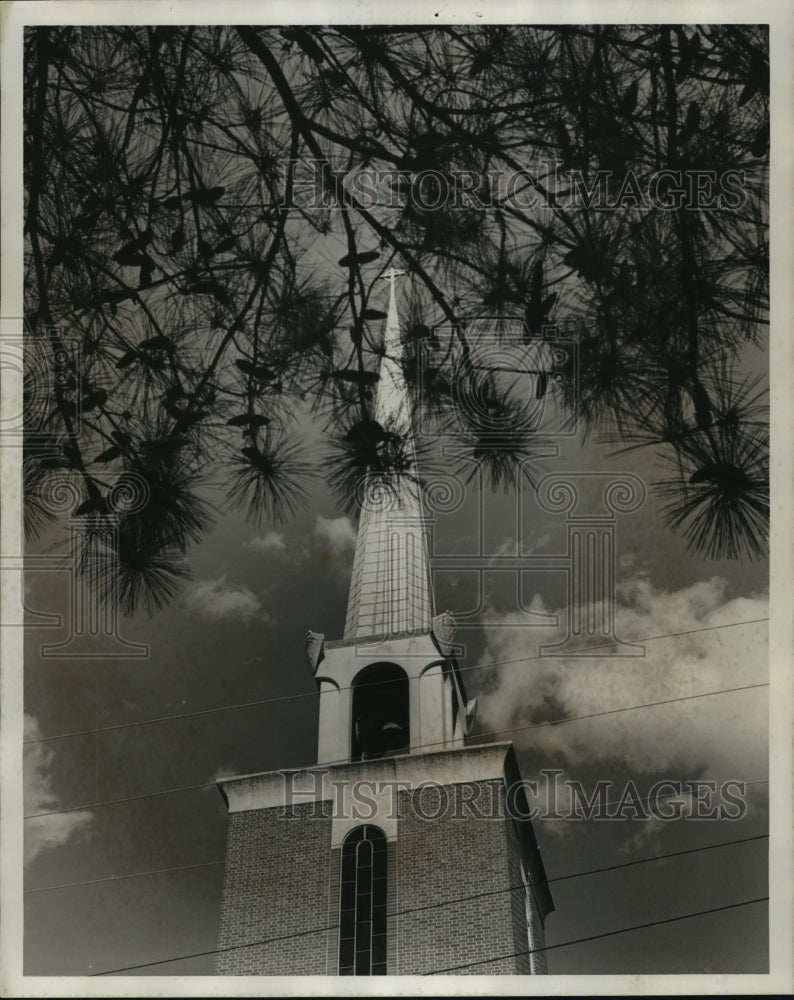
276, 889
281, 890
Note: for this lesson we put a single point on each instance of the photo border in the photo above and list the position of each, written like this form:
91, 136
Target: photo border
780, 16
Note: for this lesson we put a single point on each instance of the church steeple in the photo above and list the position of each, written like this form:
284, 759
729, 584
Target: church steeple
390, 587
392, 684
330, 868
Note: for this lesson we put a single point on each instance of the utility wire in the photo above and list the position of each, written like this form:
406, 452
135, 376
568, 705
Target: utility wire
558, 878
598, 937
421, 746
615, 711
498, 958
314, 694
658, 857
120, 878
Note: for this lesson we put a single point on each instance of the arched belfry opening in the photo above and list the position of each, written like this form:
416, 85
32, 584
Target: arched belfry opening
380, 717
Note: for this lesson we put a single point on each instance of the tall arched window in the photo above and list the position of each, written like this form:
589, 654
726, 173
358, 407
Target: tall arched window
380, 712
362, 916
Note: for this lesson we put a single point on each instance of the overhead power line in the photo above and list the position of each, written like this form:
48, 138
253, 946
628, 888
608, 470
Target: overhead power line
464, 899
558, 878
598, 937
421, 746
434, 972
314, 694
122, 878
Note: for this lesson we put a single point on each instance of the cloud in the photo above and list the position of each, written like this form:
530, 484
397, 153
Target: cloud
272, 541
509, 546
337, 534
45, 832
223, 601
719, 737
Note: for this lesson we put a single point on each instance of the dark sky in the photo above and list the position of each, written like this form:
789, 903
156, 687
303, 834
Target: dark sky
125, 872
227, 675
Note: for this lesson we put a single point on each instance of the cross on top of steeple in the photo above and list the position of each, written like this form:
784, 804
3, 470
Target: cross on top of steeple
391, 275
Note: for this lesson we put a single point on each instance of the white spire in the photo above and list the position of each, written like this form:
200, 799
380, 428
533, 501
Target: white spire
393, 409
390, 587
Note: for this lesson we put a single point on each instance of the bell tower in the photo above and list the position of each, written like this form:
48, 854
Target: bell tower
403, 851
390, 685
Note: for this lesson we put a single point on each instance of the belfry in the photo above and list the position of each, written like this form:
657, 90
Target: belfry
403, 851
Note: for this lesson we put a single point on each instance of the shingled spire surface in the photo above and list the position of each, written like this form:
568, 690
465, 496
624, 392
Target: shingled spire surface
390, 587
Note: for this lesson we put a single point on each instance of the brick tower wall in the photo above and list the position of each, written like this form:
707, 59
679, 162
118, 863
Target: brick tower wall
276, 888
454, 856
281, 889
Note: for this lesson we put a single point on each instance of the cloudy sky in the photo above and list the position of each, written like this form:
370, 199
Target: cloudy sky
126, 829
127, 870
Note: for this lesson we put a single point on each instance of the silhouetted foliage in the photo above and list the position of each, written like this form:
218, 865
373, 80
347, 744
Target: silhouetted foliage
194, 224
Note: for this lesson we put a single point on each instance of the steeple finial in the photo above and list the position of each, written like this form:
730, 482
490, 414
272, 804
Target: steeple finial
391, 275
